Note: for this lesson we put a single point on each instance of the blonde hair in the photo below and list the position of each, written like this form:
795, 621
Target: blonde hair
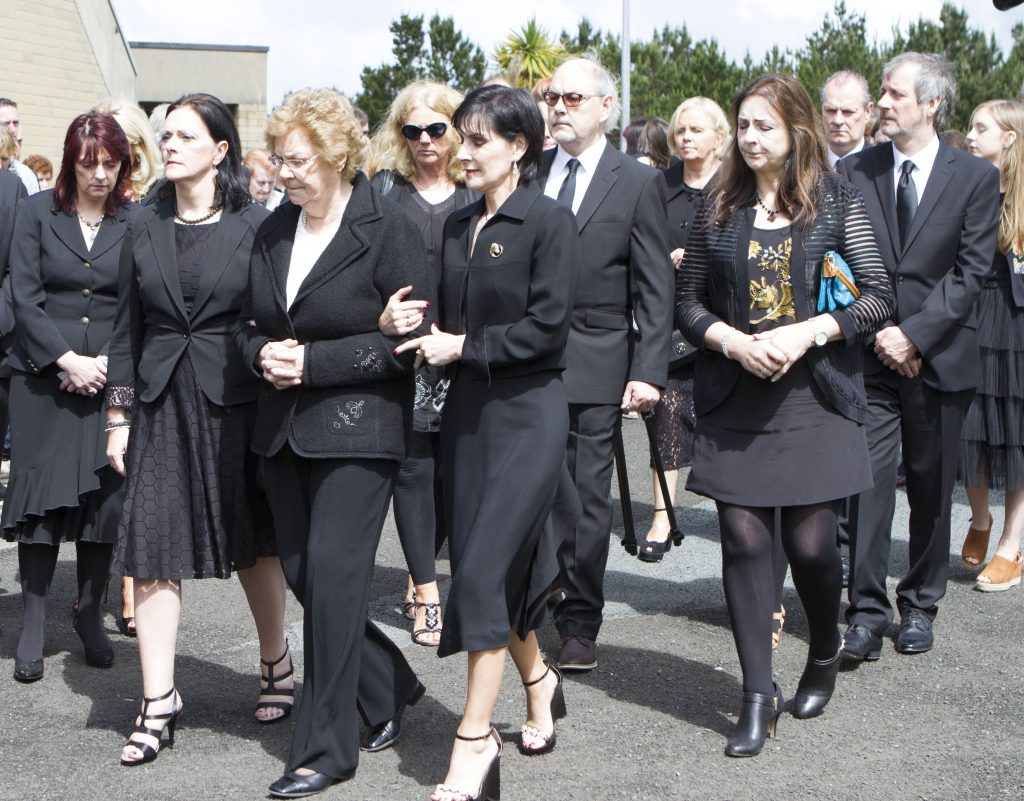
146, 162
391, 149
8, 144
327, 118
1009, 116
259, 158
710, 109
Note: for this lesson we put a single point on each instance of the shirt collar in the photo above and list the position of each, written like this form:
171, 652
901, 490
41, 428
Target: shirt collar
588, 159
923, 160
833, 158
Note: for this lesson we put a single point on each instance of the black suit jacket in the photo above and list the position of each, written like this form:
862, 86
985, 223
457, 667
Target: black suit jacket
938, 274
65, 295
513, 298
683, 204
12, 190
625, 273
154, 330
356, 396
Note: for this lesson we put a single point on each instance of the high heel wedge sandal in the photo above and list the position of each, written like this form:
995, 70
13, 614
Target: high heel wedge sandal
149, 753
557, 713
759, 716
653, 550
975, 547
431, 625
490, 784
1000, 574
778, 622
275, 692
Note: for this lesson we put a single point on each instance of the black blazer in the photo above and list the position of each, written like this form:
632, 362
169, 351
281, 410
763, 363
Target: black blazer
513, 298
683, 203
938, 274
154, 330
625, 272
65, 295
713, 285
356, 396
12, 190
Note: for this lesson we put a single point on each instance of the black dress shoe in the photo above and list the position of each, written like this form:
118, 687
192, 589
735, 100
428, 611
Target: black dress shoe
915, 634
298, 785
386, 734
28, 670
861, 644
577, 653
816, 686
758, 718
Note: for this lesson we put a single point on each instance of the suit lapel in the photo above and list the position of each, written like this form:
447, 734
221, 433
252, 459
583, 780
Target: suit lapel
111, 232
69, 231
603, 180
231, 230
886, 189
160, 227
942, 172
277, 242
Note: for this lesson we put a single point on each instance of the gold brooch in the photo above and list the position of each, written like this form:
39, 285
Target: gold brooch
496, 250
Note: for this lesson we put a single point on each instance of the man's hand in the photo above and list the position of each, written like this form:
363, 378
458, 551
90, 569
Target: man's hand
640, 396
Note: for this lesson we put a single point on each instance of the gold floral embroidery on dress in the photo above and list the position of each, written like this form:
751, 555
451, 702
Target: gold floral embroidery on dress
773, 296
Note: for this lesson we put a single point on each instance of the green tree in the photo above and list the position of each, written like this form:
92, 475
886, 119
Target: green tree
841, 43
529, 54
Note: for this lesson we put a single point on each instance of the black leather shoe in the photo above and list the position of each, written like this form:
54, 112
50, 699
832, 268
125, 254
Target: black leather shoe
758, 718
915, 634
816, 686
386, 734
577, 653
861, 644
298, 785
28, 670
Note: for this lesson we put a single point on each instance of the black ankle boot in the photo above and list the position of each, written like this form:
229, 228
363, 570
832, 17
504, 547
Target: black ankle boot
816, 686
758, 717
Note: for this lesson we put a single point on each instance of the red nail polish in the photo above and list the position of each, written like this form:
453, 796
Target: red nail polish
394, 351
428, 305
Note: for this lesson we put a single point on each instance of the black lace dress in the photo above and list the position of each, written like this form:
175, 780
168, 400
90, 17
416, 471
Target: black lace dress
194, 506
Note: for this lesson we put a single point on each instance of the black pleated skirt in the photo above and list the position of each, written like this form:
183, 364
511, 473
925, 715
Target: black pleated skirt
194, 505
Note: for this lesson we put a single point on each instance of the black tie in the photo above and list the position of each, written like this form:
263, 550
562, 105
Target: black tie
906, 202
567, 191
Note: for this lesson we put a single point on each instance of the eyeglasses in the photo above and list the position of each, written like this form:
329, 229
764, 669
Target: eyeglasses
570, 99
294, 164
435, 131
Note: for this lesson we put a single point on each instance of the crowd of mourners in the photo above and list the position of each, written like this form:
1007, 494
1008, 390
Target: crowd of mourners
219, 362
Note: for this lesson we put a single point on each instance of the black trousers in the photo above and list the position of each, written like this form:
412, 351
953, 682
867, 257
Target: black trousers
583, 541
927, 422
328, 516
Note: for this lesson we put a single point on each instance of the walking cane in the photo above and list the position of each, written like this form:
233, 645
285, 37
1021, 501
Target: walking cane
674, 531
628, 530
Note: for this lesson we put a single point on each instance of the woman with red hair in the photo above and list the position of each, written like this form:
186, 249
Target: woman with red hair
64, 279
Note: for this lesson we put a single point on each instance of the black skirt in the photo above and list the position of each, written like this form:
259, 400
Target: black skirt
778, 444
194, 506
61, 486
502, 453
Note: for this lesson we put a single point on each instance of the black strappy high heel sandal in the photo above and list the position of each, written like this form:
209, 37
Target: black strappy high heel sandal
557, 713
490, 784
431, 625
149, 753
272, 689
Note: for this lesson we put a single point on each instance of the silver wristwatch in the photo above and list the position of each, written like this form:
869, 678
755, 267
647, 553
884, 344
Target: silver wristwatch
820, 336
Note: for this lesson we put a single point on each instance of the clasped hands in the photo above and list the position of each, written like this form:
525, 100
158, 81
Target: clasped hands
282, 362
83, 375
897, 351
770, 354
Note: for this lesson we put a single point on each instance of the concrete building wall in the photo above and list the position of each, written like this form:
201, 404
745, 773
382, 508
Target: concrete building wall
59, 57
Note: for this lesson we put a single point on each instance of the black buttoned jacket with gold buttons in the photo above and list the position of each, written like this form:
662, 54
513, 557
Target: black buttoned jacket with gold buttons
64, 293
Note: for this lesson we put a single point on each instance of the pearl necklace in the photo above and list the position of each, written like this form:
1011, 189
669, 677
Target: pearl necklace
213, 211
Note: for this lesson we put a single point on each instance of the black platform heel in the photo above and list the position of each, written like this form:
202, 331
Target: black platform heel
149, 753
490, 785
816, 686
652, 550
558, 712
758, 719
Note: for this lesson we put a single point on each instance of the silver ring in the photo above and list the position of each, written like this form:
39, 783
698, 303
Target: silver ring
92, 391
763, 374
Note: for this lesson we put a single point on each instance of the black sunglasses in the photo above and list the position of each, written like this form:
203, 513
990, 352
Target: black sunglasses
435, 131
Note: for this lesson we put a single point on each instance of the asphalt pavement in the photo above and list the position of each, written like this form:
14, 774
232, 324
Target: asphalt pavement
649, 723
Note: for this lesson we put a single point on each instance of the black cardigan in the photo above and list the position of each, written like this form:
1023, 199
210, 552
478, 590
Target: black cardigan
356, 396
712, 286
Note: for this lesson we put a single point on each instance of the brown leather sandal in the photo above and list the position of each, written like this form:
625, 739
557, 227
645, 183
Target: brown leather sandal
1000, 574
778, 621
975, 546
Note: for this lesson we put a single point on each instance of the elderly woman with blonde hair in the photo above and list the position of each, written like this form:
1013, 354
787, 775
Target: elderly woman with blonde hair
415, 150
332, 421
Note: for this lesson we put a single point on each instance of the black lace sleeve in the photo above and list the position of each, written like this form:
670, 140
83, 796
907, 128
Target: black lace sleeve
119, 398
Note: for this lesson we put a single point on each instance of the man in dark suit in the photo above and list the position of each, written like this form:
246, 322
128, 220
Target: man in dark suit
11, 191
845, 108
934, 210
617, 354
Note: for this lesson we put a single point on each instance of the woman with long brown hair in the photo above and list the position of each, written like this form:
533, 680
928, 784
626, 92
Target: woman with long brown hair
992, 442
781, 402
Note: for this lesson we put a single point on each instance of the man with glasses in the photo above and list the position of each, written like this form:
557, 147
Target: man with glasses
617, 354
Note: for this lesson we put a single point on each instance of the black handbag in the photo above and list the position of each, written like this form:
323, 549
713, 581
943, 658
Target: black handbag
681, 352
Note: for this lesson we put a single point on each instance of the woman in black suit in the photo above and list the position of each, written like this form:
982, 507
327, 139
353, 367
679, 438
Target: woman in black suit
509, 272
779, 393
335, 411
193, 505
64, 281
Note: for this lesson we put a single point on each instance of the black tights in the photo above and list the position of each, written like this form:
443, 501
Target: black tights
36, 563
808, 536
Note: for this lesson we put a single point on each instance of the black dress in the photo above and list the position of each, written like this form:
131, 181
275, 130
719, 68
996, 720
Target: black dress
780, 444
194, 507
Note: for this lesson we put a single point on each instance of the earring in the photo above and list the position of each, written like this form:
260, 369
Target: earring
216, 172
515, 169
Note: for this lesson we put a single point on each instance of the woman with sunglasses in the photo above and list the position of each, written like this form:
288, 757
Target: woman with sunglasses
416, 150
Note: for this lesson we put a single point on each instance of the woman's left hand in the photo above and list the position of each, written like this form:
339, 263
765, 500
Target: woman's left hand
436, 348
793, 340
282, 363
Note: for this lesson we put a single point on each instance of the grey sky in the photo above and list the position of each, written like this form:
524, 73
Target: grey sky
316, 43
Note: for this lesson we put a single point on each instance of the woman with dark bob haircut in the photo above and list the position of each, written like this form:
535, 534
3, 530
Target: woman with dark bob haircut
779, 394
181, 406
64, 268
510, 265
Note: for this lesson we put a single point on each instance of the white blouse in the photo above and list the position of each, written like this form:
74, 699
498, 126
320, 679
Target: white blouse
307, 248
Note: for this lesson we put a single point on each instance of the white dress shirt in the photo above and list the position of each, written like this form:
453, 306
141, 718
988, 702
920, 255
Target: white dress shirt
833, 159
588, 160
307, 248
923, 160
